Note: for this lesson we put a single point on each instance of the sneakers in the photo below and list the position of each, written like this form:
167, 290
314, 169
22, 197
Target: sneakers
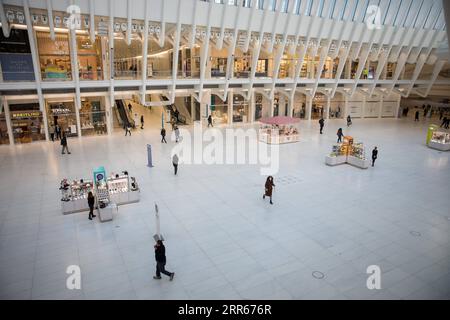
264, 196
156, 278
90, 218
94, 216
271, 202
172, 275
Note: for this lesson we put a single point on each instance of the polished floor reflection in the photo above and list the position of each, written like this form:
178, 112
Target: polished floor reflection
222, 239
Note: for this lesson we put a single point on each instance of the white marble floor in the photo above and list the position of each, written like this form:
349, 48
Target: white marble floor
222, 240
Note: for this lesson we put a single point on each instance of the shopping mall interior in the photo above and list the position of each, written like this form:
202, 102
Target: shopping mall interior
75, 71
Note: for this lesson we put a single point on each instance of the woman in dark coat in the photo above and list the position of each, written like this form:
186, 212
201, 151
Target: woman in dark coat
269, 188
91, 203
340, 134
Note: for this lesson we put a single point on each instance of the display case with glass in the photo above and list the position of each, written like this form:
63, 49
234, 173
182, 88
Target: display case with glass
348, 152
92, 116
74, 195
440, 141
122, 188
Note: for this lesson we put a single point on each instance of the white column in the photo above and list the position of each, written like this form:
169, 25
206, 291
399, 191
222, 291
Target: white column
144, 55
251, 107
291, 105
36, 68
272, 106
230, 107
327, 112
363, 111
397, 107
8, 121
308, 107
345, 106
75, 78
192, 108
281, 105
380, 111
110, 106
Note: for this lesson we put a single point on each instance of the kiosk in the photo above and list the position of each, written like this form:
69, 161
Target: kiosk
279, 130
348, 152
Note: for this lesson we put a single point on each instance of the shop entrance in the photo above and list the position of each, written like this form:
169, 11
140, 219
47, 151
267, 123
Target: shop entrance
240, 109
4, 137
318, 106
92, 116
27, 122
61, 113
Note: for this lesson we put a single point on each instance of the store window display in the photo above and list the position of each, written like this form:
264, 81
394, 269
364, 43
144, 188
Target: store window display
92, 116
219, 110
27, 122
240, 109
127, 59
54, 56
62, 113
89, 58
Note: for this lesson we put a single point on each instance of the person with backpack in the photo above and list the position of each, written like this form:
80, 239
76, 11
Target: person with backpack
163, 135
321, 123
160, 257
64, 144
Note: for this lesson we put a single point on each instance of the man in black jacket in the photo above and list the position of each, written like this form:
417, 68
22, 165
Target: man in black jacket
160, 257
64, 144
321, 123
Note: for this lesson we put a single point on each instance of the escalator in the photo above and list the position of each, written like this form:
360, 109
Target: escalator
124, 119
181, 118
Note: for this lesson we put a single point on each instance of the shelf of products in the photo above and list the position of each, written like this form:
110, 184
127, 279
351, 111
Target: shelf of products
74, 195
274, 134
123, 189
348, 152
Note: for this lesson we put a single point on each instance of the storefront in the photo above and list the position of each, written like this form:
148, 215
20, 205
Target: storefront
61, 112
26, 122
319, 104
219, 110
258, 106
54, 56
240, 109
93, 116
127, 59
89, 58
337, 104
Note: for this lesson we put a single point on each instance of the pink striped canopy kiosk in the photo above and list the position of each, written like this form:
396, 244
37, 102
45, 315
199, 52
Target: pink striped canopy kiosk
279, 130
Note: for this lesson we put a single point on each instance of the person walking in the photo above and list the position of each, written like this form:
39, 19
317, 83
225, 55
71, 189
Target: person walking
444, 121
160, 257
52, 132
268, 188
340, 134
142, 121
127, 129
163, 135
349, 121
175, 163
91, 202
177, 134
416, 118
210, 122
64, 144
321, 123
130, 108
374, 155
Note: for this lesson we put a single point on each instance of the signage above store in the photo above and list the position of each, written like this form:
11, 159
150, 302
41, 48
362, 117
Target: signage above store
22, 115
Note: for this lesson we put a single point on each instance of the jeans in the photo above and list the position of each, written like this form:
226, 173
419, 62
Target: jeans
160, 268
65, 148
175, 167
163, 139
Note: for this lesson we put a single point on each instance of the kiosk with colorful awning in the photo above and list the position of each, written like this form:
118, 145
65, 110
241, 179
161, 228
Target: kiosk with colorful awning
279, 130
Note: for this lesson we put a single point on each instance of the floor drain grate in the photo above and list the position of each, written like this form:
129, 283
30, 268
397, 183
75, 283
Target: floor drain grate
415, 233
318, 275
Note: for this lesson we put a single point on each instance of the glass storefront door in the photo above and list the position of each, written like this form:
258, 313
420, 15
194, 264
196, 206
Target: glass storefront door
61, 113
92, 116
27, 122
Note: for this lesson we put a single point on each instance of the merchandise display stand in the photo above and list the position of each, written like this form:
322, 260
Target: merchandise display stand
109, 193
348, 152
279, 130
439, 140
74, 195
